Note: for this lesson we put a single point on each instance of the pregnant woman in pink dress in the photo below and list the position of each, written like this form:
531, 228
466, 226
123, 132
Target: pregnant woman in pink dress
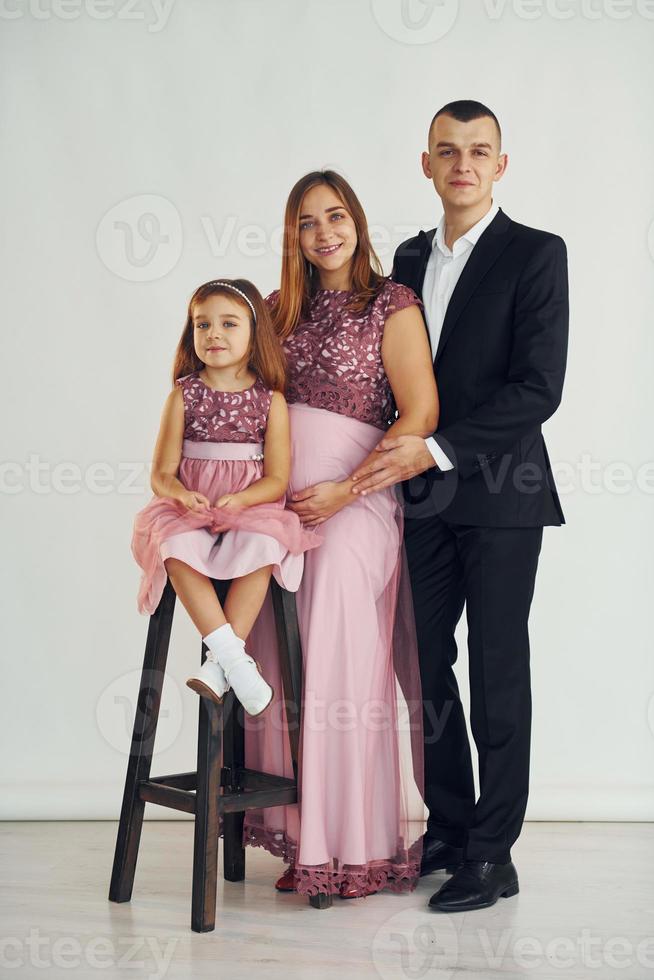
357, 351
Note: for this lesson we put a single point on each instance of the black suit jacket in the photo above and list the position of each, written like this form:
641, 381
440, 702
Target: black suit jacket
499, 367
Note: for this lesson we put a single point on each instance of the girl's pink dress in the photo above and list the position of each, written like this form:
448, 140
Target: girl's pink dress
222, 453
360, 816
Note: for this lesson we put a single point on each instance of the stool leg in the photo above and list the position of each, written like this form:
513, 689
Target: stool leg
321, 901
205, 846
233, 760
290, 662
146, 717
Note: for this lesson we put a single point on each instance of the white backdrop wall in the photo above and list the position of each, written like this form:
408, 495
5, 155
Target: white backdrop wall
146, 148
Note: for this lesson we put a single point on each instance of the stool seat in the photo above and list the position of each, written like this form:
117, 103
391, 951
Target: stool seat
214, 792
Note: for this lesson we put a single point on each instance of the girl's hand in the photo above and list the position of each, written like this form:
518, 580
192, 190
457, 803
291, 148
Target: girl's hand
229, 501
193, 500
316, 504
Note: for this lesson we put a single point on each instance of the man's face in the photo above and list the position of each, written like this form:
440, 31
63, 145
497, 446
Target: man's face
464, 160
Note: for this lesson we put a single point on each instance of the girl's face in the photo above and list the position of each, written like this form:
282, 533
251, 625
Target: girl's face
328, 236
221, 331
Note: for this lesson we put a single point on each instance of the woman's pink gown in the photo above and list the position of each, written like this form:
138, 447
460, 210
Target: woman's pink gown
360, 815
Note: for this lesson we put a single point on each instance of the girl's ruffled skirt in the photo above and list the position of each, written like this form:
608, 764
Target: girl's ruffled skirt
222, 544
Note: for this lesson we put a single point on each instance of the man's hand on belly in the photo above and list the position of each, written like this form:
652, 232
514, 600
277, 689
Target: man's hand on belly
400, 458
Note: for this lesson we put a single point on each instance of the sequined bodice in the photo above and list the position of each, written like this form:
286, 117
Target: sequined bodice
224, 416
334, 355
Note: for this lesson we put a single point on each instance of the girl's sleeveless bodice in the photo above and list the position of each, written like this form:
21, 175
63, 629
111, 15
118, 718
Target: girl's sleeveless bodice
224, 416
334, 355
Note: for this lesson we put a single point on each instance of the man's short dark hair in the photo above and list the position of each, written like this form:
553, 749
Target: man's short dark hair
465, 110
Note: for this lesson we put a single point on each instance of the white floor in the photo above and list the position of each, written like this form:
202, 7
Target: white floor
586, 908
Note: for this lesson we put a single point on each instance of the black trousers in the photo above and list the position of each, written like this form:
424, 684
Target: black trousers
492, 571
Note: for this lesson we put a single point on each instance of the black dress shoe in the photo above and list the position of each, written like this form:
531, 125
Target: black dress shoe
476, 885
437, 855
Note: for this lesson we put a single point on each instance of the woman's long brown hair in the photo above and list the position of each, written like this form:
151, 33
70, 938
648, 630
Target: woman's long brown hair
264, 356
299, 279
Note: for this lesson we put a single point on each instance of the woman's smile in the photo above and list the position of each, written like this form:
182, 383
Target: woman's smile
328, 249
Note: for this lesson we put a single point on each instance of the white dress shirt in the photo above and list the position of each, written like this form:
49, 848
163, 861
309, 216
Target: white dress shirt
444, 267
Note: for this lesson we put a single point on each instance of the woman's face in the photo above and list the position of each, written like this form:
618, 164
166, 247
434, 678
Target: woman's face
328, 237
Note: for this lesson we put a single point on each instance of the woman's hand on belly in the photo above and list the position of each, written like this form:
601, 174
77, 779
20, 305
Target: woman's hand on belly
314, 505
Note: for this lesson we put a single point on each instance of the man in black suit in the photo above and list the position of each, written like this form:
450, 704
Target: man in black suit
477, 495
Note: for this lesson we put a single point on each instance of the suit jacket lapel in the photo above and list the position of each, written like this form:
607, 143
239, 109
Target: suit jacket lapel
425, 240
490, 246
418, 267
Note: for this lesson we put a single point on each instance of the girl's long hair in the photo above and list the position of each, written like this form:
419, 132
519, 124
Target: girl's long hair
264, 356
299, 279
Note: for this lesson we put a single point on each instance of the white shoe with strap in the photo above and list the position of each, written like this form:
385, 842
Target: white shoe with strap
242, 673
209, 681
251, 688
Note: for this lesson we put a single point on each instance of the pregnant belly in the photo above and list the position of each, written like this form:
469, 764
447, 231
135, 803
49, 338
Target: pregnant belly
326, 445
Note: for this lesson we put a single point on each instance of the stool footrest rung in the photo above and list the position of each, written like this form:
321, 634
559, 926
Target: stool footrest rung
180, 780
253, 779
154, 791
255, 789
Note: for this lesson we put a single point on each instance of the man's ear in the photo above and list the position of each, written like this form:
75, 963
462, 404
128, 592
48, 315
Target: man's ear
502, 164
426, 166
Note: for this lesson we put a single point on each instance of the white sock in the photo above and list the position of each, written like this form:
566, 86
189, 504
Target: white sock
227, 648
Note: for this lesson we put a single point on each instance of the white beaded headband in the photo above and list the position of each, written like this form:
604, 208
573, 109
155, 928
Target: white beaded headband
228, 285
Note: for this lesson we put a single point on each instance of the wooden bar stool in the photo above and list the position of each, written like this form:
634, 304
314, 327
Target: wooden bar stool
212, 790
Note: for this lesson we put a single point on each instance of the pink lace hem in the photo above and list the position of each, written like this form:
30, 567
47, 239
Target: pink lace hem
396, 876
